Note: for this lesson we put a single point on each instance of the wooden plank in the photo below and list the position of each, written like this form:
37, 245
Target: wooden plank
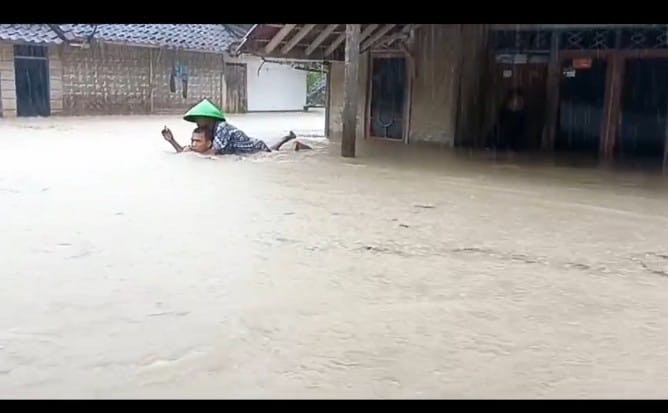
351, 86
336, 43
612, 111
367, 31
297, 37
236, 88
376, 36
285, 30
665, 147
151, 86
328, 101
321, 38
403, 33
552, 89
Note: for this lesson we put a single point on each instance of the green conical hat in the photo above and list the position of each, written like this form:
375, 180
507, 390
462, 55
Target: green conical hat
204, 109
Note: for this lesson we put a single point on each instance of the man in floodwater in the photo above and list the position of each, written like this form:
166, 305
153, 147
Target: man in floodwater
215, 136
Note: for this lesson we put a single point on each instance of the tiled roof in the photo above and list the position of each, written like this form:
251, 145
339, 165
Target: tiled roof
200, 37
28, 33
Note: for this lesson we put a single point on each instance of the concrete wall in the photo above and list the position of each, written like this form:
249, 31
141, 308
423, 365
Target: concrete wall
437, 51
276, 87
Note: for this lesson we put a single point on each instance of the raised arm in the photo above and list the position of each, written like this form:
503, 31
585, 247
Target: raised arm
169, 137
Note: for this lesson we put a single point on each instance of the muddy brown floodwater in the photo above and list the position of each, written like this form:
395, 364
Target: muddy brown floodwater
130, 271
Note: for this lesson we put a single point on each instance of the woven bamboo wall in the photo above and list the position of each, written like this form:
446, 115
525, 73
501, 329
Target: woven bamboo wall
105, 79
113, 79
205, 77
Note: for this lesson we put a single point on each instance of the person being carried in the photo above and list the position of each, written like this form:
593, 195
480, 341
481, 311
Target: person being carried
215, 136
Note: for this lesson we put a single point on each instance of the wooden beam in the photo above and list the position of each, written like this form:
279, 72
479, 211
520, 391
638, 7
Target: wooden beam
665, 147
612, 111
328, 101
552, 89
285, 30
151, 86
297, 37
376, 36
367, 31
350, 88
321, 38
335, 44
389, 39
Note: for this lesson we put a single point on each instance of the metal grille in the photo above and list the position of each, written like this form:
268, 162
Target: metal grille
521, 41
644, 38
588, 39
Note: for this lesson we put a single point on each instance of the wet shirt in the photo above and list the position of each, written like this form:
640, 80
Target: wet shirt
228, 140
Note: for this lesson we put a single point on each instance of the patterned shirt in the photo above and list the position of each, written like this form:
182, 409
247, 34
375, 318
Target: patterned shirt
228, 140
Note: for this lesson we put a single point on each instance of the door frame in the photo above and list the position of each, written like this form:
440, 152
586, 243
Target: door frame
565, 58
45, 58
245, 75
498, 92
408, 95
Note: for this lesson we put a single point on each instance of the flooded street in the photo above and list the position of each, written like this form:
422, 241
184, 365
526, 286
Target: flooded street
131, 271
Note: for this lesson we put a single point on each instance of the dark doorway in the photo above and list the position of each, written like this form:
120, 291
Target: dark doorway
387, 106
581, 102
529, 79
236, 88
31, 68
644, 110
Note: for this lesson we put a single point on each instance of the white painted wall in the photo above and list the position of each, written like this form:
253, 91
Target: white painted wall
277, 87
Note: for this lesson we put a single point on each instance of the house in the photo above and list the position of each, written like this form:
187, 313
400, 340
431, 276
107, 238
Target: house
591, 89
87, 69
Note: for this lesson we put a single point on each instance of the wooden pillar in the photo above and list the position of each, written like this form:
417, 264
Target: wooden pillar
552, 86
151, 86
328, 100
612, 110
351, 86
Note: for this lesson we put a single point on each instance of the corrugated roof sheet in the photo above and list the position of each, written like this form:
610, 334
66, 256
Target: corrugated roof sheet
29, 33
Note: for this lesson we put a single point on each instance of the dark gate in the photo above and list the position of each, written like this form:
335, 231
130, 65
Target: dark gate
31, 67
581, 107
644, 109
236, 100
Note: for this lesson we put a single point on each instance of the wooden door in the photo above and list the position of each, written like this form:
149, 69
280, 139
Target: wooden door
31, 69
389, 95
236, 99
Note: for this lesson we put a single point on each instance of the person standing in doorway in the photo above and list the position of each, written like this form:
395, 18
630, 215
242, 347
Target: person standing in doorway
510, 130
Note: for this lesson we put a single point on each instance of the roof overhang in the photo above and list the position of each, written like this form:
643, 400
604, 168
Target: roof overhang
318, 41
